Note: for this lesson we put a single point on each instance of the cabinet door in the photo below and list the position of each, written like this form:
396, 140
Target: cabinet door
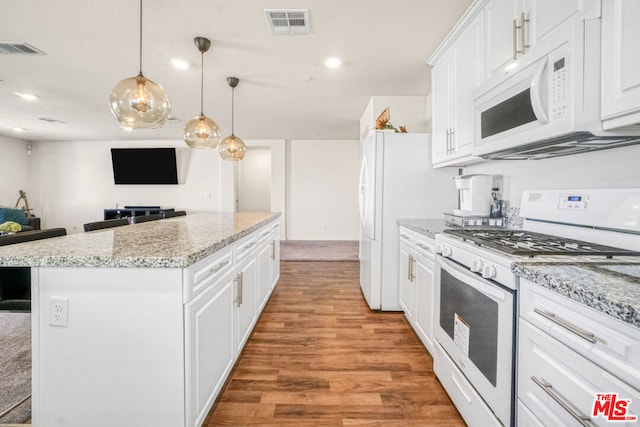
546, 16
209, 347
425, 305
499, 36
405, 281
275, 259
246, 301
620, 62
264, 277
441, 109
467, 74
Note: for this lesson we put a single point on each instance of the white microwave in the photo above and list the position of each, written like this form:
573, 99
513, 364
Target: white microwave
550, 105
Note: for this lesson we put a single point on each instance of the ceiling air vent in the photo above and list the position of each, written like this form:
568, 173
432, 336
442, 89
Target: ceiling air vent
288, 21
19, 48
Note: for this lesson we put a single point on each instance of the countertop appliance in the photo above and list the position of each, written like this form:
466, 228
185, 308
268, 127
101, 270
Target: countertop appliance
476, 292
396, 181
474, 194
550, 105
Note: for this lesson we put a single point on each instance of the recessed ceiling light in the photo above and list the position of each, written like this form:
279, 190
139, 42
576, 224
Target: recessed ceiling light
333, 62
18, 129
180, 64
27, 96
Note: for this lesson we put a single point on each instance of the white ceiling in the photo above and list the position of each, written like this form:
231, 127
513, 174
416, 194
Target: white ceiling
285, 91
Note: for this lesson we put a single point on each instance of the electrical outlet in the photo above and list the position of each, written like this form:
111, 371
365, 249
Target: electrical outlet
59, 311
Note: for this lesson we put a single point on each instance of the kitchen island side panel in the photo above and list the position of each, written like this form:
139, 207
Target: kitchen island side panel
120, 359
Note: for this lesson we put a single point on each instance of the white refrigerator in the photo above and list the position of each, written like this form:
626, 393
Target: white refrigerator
396, 181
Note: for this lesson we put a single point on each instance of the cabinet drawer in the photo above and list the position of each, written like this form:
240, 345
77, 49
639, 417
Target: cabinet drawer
559, 386
418, 242
608, 342
246, 246
526, 417
205, 272
466, 399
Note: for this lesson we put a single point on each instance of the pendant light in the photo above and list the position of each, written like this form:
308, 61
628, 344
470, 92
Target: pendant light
232, 148
139, 103
201, 131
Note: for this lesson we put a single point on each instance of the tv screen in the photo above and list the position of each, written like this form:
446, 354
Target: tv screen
144, 165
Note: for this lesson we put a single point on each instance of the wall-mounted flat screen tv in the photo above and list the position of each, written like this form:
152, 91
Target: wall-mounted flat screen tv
144, 165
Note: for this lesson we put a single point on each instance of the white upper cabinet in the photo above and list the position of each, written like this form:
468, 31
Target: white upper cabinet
499, 34
454, 77
513, 27
620, 63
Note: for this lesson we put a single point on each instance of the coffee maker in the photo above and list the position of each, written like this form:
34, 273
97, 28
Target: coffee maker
475, 195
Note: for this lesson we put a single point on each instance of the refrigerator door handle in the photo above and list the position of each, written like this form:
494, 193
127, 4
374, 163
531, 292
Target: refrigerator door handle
363, 189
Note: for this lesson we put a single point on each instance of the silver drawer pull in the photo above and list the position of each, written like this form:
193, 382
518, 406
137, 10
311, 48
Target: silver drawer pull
404, 236
425, 247
264, 233
218, 267
548, 388
568, 326
249, 246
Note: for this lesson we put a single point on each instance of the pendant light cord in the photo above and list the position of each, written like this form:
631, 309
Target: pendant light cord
140, 37
233, 91
202, 84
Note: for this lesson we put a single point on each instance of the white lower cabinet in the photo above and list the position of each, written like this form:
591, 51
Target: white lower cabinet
416, 282
245, 301
568, 354
145, 346
210, 346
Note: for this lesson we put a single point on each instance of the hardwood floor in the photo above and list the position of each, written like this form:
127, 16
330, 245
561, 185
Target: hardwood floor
319, 357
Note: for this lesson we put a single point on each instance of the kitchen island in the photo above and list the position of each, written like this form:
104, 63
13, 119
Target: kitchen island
141, 324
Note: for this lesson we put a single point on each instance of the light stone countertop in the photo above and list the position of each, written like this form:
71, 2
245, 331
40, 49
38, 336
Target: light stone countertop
427, 227
168, 243
612, 288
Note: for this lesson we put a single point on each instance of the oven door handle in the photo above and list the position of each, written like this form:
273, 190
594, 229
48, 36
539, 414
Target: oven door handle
469, 278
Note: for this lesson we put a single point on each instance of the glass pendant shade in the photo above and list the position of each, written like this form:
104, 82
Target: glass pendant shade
201, 132
232, 148
139, 103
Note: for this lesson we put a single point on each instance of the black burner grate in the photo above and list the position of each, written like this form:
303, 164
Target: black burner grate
526, 243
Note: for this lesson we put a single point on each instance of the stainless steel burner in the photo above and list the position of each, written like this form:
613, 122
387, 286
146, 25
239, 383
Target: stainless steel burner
526, 243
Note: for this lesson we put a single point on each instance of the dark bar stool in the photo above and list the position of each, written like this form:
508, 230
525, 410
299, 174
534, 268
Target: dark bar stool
109, 223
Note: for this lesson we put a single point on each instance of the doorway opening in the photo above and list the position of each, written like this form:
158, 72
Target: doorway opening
253, 181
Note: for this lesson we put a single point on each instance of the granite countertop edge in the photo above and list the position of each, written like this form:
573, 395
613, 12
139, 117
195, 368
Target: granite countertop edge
428, 227
183, 260
615, 299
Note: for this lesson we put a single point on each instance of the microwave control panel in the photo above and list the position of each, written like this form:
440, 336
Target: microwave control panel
559, 89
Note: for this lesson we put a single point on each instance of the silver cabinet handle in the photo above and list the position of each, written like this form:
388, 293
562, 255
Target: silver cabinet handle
453, 141
424, 247
448, 141
523, 43
548, 388
568, 326
218, 267
404, 236
239, 281
412, 262
515, 42
273, 250
409, 268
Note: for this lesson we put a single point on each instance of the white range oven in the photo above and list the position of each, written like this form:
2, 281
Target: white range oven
476, 292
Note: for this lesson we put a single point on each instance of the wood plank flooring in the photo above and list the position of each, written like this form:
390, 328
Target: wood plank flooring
319, 357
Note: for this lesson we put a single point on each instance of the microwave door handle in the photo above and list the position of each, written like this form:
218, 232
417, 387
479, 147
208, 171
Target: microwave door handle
536, 93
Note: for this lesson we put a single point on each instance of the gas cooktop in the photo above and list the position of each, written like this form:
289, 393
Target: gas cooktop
527, 243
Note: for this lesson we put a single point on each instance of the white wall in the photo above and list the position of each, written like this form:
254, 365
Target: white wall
14, 171
72, 182
618, 167
253, 181
322, 189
